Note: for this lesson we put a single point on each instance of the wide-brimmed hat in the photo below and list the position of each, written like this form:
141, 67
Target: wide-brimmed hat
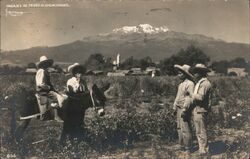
200, 68
44, 62
75, 68
184, 69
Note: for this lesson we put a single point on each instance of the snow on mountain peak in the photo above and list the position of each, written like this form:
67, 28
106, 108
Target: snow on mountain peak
141, 28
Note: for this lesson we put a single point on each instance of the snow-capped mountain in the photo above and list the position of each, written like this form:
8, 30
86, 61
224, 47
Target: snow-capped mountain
137, 41
141, 28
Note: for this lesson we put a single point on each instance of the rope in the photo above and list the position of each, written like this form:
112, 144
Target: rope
92, 99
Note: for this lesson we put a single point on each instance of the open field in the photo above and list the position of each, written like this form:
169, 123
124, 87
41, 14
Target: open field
138, 121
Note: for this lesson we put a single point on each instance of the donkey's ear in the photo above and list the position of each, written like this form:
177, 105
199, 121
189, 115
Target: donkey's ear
105, 87
94, 87
99, 93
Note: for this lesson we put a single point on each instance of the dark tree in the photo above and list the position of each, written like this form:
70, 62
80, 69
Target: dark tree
58, 68
9, 69
31, 65
167, 65
99, 62
238, 62
146, 62
130, 63
95, 62
191, 56
108, 65
220, 66
248, 68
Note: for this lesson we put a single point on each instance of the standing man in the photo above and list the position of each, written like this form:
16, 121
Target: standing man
201, 103
44, 87
181, 105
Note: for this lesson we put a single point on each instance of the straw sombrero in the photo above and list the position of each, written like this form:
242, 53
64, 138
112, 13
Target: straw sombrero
200, 68
44, 62
76, 67
184, 69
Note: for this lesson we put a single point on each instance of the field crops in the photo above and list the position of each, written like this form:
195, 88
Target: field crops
138, 121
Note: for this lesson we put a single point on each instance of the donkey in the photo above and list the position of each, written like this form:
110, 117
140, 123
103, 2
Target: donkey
72, 112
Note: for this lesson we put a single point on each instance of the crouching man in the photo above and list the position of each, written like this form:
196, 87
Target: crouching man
181, 105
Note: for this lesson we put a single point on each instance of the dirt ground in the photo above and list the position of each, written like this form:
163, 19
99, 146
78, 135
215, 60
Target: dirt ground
221, 147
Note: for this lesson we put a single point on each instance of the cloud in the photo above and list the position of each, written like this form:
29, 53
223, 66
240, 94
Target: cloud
159, 10
121, 13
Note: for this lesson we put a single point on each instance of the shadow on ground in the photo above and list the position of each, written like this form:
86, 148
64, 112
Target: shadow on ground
218, 147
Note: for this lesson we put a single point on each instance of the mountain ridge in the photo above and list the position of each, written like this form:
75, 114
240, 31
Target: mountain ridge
158, 45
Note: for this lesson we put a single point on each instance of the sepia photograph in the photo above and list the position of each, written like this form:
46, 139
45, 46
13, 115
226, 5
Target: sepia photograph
124, 79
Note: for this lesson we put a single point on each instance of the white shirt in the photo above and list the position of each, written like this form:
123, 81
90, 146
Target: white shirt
40, 77
77, 85
201, 96
184, 94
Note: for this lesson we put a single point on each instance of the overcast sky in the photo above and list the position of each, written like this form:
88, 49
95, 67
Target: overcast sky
224, 19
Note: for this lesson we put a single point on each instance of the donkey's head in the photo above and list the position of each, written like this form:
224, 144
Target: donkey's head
98, 95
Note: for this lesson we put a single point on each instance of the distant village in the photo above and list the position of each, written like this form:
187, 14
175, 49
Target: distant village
134, 71
116, 71
98, 65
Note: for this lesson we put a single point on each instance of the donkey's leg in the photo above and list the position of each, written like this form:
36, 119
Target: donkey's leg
56, 116
20, 129
77, 131
65, 133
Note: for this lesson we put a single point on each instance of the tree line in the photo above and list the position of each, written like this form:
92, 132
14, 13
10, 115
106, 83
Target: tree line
222, 66
191, 55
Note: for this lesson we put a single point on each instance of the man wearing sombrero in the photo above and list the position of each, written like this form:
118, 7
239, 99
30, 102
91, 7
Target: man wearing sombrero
181, 105
44, 88
201, 101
